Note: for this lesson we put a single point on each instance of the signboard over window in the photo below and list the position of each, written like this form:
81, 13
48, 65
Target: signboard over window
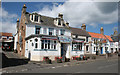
65, 39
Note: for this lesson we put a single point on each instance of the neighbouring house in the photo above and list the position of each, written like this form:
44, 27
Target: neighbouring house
41, 36
115, 43
80, 44
6, 39
100, 43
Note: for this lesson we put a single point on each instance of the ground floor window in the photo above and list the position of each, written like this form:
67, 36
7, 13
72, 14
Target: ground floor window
77, 46
94, 49
87, 48
48, 44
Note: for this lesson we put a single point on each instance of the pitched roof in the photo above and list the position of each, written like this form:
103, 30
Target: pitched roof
109, 38
5, 34
45, 20
97, 35
78, 31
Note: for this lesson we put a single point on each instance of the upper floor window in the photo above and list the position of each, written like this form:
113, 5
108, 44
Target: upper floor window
37, 30
51, 31
45, 31
36, 18
62, 32
57, 32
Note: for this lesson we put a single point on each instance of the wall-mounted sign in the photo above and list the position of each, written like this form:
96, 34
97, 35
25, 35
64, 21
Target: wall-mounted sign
65, 39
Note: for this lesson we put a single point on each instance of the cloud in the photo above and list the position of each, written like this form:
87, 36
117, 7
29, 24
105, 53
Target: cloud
91, 13
8, 21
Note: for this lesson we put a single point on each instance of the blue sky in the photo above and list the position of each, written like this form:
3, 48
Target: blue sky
94, 15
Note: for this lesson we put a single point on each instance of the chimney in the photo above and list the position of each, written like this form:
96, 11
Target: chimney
60, 15
24, 9
67, 23
115, 32
101, 30
17, 25
83, 27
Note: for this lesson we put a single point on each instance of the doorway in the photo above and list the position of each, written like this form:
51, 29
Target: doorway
63, 49
101, 50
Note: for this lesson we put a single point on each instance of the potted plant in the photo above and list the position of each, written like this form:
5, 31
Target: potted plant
47, 60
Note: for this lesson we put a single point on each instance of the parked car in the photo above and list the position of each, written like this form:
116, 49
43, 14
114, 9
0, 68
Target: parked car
6, 47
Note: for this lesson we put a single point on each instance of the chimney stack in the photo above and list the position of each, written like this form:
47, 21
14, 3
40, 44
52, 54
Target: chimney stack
67, 23
60, 15
17, 25
83, 27
102, 30
24, 9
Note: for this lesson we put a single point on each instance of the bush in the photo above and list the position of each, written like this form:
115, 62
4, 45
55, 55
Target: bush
93, 57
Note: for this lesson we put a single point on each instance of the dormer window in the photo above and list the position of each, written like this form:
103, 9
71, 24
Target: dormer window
59, 22
31, 17
36, 18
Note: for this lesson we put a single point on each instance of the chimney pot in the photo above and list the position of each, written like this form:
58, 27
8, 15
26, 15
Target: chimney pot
60, 15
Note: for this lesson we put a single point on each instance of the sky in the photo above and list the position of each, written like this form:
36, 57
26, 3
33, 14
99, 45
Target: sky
94, 14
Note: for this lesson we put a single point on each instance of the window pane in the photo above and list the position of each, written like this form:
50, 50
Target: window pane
36, 18
59, 22
36, 45
37, 30
31, 17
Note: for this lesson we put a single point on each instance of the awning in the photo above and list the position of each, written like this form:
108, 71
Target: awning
49, 38
78, 40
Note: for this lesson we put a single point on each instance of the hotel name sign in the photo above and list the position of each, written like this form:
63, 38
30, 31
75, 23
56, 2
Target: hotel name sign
65, 39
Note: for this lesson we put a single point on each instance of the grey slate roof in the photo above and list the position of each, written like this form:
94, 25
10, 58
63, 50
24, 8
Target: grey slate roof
80, 32
45, 20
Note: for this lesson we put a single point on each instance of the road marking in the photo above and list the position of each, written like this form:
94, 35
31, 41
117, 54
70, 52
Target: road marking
53, 67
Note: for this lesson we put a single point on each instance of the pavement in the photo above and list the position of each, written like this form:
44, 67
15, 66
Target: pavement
99, 65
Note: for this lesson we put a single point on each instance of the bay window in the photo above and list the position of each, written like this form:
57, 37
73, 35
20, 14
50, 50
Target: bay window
48, 44
36, 43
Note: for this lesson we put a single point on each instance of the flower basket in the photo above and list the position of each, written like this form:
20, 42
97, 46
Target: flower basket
47, 60
74, 58
78, 58
59, 59
84, 58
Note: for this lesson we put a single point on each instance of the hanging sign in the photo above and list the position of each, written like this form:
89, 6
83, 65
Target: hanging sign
65, 39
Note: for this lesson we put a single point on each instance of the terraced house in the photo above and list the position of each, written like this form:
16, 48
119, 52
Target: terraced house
100, 43
41, 36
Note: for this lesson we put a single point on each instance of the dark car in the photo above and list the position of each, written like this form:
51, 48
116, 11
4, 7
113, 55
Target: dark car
6, 47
